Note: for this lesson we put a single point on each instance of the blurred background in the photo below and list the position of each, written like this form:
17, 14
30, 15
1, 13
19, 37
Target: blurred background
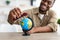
7, 5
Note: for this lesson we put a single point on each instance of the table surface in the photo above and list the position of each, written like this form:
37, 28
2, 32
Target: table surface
36, 36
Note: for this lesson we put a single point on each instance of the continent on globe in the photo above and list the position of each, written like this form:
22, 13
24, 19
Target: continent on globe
26, 24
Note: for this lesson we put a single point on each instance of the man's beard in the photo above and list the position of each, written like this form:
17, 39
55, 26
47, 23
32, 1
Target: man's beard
42, 10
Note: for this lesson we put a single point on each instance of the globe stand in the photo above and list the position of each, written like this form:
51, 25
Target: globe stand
24, 29
25, 34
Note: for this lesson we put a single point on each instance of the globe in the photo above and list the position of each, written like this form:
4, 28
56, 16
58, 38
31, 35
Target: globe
26, 24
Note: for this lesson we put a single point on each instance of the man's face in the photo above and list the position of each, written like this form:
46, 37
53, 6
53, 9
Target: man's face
46, 5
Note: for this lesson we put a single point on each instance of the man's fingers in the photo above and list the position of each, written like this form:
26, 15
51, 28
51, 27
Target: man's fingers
18, 11
13, 15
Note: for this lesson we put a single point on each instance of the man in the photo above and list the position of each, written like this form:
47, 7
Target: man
44, 19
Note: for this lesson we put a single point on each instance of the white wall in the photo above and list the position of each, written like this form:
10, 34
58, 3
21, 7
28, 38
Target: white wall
36, 3
15, 2
56, 8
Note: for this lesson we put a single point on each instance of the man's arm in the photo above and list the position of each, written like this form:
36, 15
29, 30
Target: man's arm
50, 27
40, 29
43, 29
15, 15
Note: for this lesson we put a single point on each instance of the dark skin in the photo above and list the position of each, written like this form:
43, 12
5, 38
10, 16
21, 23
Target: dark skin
44, 6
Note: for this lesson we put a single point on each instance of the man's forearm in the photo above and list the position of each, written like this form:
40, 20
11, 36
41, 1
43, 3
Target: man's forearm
43, 29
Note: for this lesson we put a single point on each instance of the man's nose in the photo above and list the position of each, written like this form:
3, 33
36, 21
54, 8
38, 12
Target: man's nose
45, 3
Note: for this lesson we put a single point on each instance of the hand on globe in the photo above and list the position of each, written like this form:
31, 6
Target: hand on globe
15, 14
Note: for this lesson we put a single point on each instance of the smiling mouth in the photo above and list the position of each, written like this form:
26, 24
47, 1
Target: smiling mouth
43, 7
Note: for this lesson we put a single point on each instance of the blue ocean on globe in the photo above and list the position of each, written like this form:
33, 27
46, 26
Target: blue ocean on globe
26, 23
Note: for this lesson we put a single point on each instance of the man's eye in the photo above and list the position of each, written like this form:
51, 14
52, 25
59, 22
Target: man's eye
44, 0
49, 3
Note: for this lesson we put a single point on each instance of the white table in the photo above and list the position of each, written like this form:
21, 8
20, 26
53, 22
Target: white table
36, 36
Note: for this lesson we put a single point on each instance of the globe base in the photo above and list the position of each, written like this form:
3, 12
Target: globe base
25, 34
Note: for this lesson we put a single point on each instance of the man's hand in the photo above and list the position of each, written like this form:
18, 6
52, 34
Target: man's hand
14, 14
40, 29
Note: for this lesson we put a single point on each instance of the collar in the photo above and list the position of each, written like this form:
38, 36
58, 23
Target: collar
40, 13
